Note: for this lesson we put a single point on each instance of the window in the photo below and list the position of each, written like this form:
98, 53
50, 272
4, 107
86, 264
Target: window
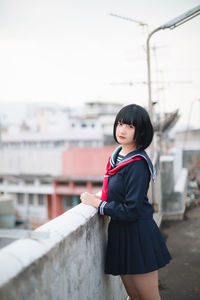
97, 184
87, 143
74, 143
45, 182
63, 183
81, 183
41, 200
59, 144
20, 199
70, 201
30, 199
75, 200
29, 181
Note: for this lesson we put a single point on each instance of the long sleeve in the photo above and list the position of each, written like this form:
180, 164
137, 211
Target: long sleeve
127, 203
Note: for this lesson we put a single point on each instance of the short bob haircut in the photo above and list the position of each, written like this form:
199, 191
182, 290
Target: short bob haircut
137, 116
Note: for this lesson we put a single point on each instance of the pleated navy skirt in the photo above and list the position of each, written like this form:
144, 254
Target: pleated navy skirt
135, 248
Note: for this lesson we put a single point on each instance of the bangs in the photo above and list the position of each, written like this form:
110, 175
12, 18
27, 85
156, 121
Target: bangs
125, 121
127, 116
137, 116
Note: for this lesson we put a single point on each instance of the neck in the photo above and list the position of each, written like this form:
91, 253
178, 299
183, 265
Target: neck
127, 149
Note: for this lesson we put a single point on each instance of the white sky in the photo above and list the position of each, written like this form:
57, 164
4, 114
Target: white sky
73, 51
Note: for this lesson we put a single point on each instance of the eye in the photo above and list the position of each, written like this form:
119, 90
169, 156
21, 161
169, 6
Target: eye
131, 126
119, 123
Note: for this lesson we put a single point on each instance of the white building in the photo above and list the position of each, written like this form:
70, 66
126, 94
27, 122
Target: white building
105, 113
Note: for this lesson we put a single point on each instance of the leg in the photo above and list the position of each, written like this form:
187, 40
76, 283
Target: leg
142, 286
130, 287
147, 285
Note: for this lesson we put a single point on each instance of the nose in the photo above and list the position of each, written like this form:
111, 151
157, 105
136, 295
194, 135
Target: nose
122, 128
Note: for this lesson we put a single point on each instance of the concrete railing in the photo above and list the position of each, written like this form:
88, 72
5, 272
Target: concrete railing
63, 260
174, 189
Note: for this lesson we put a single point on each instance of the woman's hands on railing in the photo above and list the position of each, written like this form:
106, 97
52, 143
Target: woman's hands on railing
90, 199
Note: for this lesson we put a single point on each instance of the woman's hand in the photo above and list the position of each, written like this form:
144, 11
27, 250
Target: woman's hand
90, 199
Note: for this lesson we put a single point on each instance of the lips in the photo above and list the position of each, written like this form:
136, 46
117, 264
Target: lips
121, 137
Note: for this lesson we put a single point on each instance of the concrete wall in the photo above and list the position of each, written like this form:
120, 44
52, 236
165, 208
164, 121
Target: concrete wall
65, 263
18, 161
158, 198
177, 154
156, 193
174, 188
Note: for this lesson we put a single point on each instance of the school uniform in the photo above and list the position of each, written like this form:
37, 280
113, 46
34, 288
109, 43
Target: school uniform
135, 244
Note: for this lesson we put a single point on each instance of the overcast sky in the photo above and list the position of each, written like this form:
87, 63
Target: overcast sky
72, 51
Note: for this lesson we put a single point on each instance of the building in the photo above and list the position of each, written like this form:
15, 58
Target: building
56, 155
105, 113
46, 188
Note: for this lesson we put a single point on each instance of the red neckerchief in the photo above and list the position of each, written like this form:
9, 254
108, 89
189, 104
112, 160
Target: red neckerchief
113, 171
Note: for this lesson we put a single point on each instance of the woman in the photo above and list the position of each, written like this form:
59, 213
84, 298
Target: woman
135, 248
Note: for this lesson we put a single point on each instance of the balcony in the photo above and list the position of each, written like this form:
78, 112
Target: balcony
64, 258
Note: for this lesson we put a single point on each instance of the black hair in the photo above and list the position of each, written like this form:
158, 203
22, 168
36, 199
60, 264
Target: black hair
137, 116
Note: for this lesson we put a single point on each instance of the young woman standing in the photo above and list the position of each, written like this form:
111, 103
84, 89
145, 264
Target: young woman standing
135, 248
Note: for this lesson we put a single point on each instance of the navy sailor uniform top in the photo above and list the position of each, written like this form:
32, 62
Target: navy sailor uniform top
127, 190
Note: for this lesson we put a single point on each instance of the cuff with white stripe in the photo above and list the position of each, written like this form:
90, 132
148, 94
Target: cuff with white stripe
101, 207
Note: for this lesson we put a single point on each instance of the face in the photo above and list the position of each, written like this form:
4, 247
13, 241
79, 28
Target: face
125, 134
